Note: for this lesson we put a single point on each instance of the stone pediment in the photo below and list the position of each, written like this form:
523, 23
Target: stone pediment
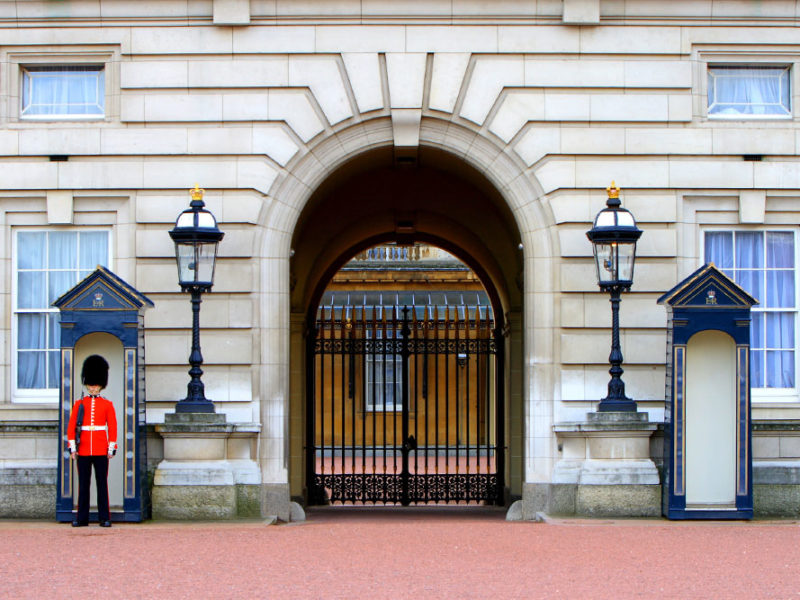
708, 287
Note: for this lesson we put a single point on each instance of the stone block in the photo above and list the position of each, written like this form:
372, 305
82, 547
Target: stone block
406, 77
516, 109
59, 207
548, 39
134, 140
27, 501
771, 500
323, 76
618, 500
181, 40
194, 502
537, 142
765, 447
638, 40
193, 447
275, 500
573, 73
629, 107
220, 140
294, 107
446, 79
536, 497
72, 141
248, 501
658, 74
567, 106
478, 39
752, 206
490, 74
154, 74
183, 107
376, 38
581, 12
231, 12
364, 73
710, 174
667, 141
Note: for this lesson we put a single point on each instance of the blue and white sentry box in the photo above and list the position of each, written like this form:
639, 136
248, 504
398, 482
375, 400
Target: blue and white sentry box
104, 315
707, 438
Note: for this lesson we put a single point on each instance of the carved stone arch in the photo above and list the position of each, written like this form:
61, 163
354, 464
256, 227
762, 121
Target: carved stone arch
283, 302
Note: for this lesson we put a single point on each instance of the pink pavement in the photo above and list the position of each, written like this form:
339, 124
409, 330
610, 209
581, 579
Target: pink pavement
418, 552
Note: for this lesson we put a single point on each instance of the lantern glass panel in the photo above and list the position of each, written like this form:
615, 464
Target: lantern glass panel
196, 262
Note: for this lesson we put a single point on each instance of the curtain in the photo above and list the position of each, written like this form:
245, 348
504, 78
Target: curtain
763, 264
748, 90
49, 263
63, 91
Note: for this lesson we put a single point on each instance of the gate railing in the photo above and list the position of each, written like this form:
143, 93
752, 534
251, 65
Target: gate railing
405, 406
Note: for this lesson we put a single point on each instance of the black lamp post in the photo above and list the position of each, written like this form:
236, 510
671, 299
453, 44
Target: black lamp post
196, 237
614, 237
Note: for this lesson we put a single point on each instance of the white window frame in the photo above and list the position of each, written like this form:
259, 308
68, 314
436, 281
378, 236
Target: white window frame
38, 395
29, 77
764, 394
18, 58
787, 68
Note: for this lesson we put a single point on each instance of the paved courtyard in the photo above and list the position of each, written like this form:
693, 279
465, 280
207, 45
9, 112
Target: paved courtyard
436, 552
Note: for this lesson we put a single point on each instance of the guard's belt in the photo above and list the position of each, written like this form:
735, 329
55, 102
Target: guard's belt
94, 428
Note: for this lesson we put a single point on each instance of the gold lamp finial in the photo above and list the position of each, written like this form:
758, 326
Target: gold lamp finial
613, 190
197, 192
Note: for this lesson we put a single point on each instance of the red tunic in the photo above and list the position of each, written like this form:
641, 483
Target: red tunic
99, 432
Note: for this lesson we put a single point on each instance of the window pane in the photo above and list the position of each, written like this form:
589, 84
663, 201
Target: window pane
780, 369
53, 369
62, 250
31, 250
757, 330
757, 369
31, 370
780, 250
60, 282
54, 330
752, 282
780, 330
93, 249
749, 250
719, 249
31, 290
31, 334
780, 289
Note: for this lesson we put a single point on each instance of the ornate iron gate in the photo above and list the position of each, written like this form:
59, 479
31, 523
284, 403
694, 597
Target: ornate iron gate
405, 406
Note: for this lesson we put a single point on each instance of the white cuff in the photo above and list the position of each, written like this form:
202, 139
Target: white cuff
71, 444
112, 446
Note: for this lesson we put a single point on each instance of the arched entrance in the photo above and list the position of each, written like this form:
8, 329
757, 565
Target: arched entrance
434, 198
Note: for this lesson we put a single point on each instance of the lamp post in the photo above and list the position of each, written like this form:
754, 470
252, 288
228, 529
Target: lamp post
614, 237
196, 238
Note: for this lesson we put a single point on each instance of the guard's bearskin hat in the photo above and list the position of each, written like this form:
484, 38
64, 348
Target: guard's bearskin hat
95, 371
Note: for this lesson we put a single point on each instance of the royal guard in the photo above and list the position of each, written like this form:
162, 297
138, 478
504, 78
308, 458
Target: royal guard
93, 440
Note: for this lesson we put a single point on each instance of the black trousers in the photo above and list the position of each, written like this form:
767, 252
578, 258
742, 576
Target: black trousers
100, 464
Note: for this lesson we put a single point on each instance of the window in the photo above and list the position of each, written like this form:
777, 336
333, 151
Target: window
384, 372
73, 91
47, 264
742, 91
763, 263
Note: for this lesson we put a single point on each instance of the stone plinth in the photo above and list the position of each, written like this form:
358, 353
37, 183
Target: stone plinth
205, 474
605, 467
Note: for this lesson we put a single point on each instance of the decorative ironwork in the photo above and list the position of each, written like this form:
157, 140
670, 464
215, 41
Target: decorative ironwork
405, 410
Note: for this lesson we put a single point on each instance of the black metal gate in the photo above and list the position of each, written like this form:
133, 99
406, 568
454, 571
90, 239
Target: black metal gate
405, 406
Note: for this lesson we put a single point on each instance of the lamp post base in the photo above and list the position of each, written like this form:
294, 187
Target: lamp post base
617, 405
194, 406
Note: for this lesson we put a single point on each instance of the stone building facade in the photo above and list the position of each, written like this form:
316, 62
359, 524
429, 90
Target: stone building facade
318, 129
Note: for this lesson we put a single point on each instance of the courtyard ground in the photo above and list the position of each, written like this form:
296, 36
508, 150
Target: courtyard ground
376, 553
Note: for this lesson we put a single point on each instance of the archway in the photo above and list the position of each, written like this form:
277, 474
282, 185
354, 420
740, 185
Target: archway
435, 198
